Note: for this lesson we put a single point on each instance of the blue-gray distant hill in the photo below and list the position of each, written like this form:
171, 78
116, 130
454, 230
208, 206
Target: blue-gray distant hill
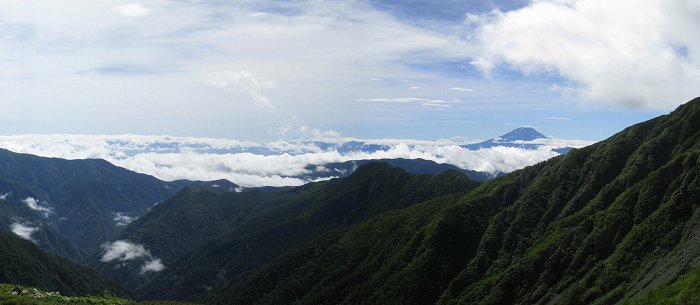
76, 205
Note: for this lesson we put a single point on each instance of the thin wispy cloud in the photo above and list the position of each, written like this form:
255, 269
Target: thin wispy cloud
23, 231
394, 99
245, 82
461, 89
38, 206
132, 10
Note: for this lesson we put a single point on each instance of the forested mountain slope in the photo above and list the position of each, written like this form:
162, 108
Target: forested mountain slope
23, 263
205, 236
86, 201
599, 225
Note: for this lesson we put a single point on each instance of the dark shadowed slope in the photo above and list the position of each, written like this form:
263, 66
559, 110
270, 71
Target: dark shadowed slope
596, 226
245, 230
80, 199
413, 166
25, 264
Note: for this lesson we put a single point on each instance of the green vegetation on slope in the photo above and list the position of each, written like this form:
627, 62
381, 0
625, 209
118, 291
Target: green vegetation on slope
685, 291
83, 195
24, 263
599, 225
45, 298
205, 236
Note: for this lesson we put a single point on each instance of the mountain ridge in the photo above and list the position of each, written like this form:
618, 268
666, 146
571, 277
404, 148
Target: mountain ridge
78, 199
265, 224
601, 224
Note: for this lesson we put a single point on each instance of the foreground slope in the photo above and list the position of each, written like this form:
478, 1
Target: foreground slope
599, 225
205, 236
24, 263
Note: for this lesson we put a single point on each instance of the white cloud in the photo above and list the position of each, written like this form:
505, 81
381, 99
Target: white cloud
252, 164
132, 10
123, 251
155, 265
122, 219
246, 82
34, 204
23, 231
418, 100
318, 54
461, 89
394, 99
4, 196
625, 52
433, 104
557, 118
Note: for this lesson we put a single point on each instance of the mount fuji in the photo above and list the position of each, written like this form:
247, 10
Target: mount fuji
525, 137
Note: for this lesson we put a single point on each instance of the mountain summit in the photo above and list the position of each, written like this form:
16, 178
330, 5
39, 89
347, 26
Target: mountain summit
522, 134
514, 138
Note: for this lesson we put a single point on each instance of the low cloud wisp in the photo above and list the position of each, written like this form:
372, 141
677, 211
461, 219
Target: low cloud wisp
124, 251
23, 231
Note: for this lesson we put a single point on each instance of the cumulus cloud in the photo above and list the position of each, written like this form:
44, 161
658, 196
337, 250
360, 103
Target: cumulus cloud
155, 265
244, 82
626, 52
23, 231
35, 205
123, 219
124, 251
132, 10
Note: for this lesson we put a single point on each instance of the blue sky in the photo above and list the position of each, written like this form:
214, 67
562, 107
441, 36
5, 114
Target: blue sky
271, 70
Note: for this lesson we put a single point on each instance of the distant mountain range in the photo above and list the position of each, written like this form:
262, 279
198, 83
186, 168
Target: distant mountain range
286, 163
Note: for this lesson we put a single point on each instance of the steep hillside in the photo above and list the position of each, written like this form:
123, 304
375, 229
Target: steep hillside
86, 201
245, 230
16, 216
599, 225
23, 263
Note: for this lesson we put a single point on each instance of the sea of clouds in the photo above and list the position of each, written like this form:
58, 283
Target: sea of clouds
279, 163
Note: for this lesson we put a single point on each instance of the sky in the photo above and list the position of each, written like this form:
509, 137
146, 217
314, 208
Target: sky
281, 70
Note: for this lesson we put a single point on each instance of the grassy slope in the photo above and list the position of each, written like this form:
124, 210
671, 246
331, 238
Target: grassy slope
6, 298
685, 291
